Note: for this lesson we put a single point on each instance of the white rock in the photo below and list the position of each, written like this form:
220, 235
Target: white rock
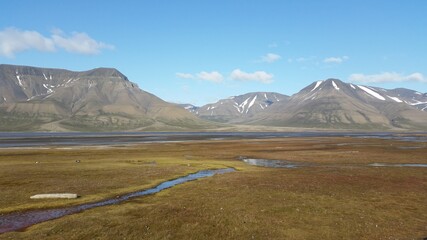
54, 195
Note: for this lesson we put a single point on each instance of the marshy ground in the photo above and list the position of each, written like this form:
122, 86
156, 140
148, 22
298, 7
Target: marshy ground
335, 194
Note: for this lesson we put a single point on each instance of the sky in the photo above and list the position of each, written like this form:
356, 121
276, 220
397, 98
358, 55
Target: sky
192, 51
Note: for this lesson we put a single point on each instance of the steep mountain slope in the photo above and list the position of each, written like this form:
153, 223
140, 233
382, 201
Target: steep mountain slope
238, 108
100, 99
335, 104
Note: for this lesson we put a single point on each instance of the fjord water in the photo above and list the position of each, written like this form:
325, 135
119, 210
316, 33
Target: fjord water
36, 139
17, 221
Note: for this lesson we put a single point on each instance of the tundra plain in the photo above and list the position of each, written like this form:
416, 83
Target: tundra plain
334, 194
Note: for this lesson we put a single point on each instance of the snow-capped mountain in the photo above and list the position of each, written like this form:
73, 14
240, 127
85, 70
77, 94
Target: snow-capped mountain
334, 104
238, 108
189, 107
410, 97
34, 98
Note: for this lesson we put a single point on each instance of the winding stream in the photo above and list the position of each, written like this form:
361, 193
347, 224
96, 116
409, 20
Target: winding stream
398, 165
270, 163
21, 220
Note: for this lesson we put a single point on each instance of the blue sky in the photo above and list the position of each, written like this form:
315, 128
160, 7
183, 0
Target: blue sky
197, 52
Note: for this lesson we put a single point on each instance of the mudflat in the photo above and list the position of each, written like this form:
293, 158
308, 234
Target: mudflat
341, 188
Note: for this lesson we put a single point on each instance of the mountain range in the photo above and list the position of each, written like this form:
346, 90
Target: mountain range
103, 99
238, 109
330, 104
335, 104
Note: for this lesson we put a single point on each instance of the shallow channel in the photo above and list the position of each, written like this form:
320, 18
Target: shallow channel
270, 163
18, 221
398, 165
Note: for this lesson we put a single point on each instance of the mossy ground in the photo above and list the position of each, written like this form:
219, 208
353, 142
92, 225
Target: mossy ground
337, 196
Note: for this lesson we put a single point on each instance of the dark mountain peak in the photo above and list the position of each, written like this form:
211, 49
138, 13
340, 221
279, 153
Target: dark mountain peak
104, 72
328, 84
333, 80
334, 83
43, 72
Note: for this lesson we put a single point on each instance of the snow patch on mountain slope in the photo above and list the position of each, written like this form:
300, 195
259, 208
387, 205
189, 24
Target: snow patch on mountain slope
49, 90
416, 103
237, 108
251, 103
395, 99
19, 80
335, 86
309, 97
242, 105
317, 85
371, 92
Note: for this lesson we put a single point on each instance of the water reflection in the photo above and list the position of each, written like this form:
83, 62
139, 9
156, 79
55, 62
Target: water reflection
270, 163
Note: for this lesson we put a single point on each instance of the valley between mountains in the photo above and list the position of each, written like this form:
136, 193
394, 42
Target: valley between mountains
103, 99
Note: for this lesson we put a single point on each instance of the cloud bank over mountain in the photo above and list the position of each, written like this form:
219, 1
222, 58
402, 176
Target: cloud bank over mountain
14, 40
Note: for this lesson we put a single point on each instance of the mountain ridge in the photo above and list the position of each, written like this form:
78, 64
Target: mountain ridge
97, 99
332, 103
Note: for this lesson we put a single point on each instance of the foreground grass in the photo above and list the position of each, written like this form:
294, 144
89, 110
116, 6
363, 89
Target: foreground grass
336, 197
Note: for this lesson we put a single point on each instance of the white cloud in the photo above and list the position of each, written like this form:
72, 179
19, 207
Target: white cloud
79, 43
259, 76
270, 57
387, 77
335, 59
184, 75
211, 76
13, 40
